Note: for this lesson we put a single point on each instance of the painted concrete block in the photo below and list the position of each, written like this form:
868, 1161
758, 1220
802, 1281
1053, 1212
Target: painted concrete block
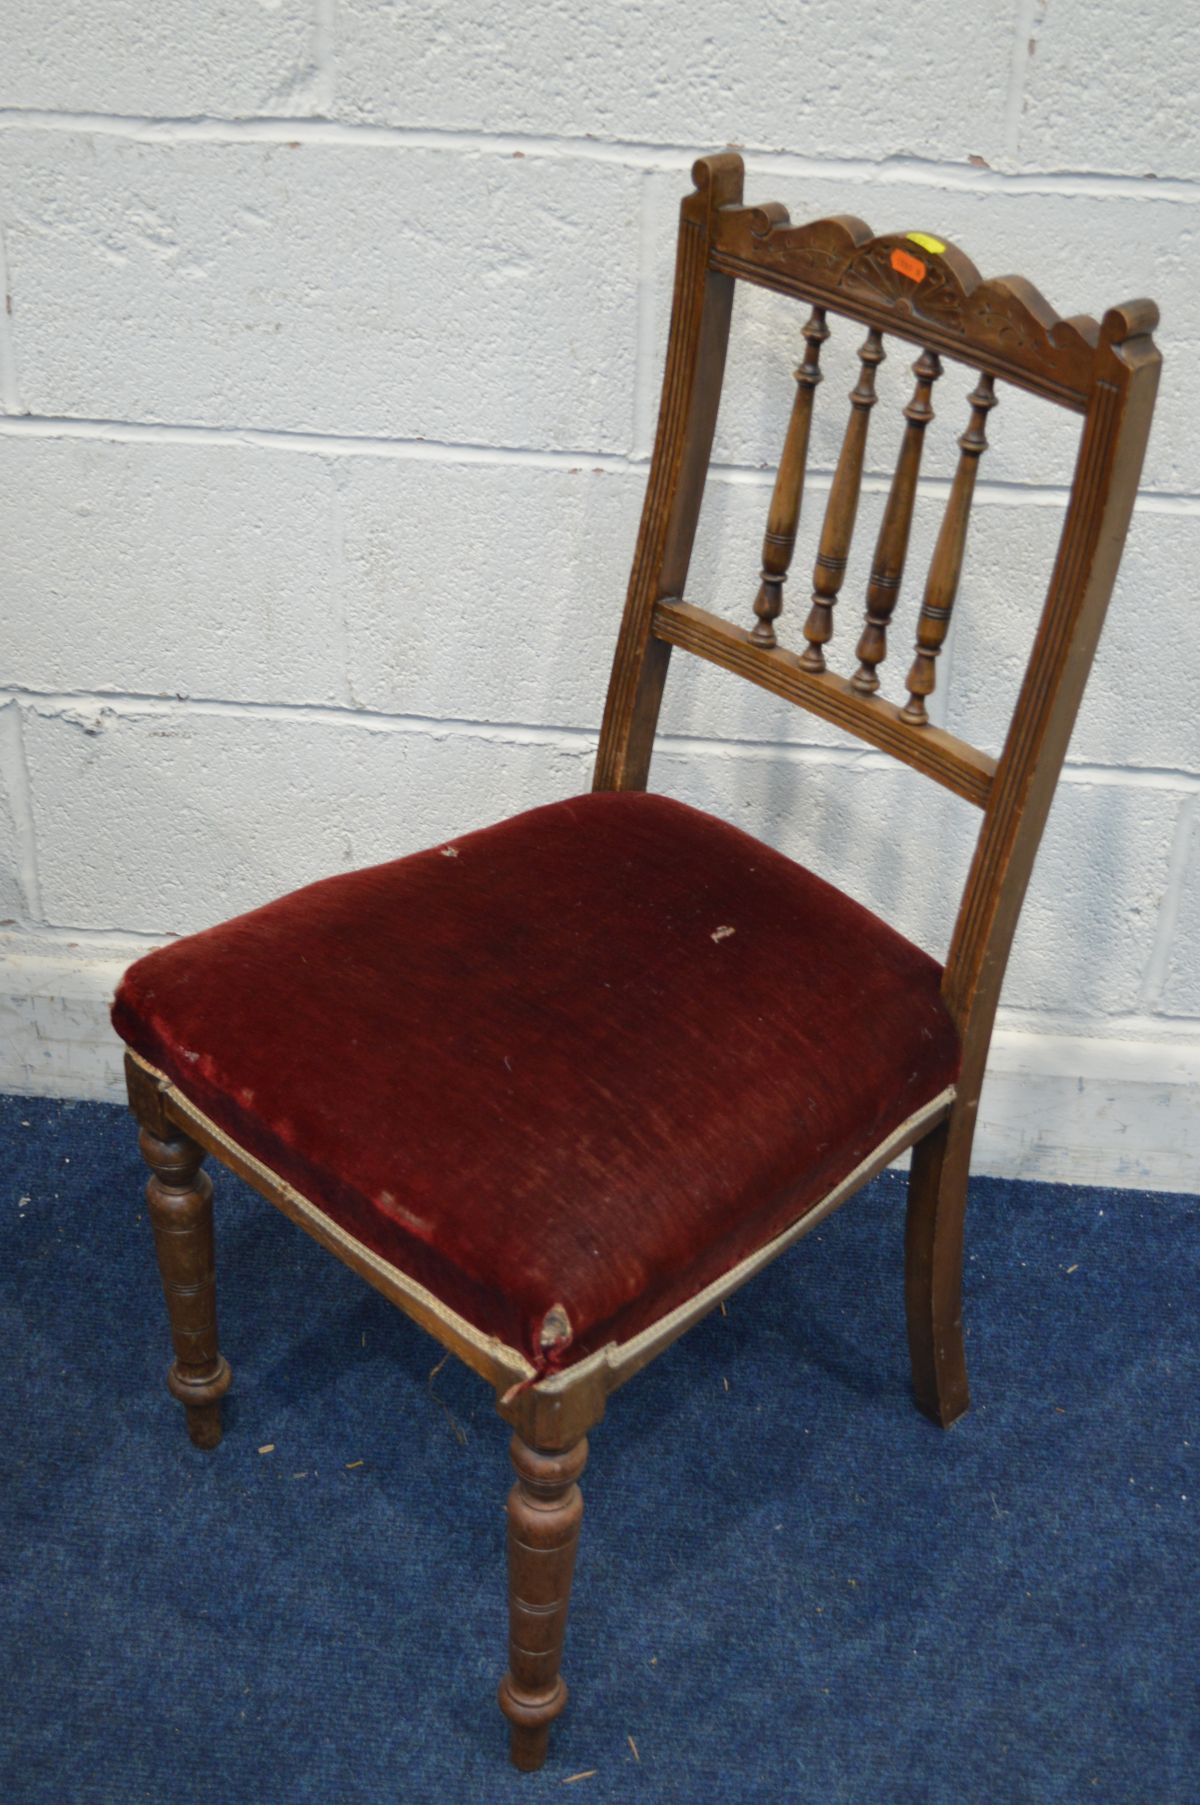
1072, 1110
166, 821
541, 575
13, 898
485, 592
175, 59
55, 1035
333, 288
808, 82
1101, 90
1137, 710
1088, 925
1181, 989
514, 293
171, 569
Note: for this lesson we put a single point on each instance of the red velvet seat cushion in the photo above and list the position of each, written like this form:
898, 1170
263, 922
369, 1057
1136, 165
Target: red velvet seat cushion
590, 1057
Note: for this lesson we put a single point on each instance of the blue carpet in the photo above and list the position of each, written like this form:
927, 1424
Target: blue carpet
791, 1587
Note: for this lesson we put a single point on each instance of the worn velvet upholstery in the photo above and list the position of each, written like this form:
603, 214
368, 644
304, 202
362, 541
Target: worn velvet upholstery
590, 1057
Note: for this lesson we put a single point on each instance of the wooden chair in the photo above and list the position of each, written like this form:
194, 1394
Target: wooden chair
489, 1077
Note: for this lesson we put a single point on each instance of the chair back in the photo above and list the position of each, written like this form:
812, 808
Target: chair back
915, 287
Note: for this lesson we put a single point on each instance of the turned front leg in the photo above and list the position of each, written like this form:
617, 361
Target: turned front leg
180, 1198
545, 1507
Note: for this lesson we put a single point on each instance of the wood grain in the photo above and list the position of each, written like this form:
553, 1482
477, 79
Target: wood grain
779, 541
841, 508
179, 1198
1003, 325
949, 761
545, 1509
891, 547
945, 573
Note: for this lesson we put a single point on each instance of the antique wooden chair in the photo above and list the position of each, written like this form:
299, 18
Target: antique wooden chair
490, 1077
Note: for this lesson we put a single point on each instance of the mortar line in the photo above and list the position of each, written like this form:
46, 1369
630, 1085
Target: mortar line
335, 476
14, 765
51, 702
10, 394
71, 704
1168, 915
993, 490
314, 444
324, 40
645, 153
49, 940
1123, 1026
1153, 777
646, 357
1017, 72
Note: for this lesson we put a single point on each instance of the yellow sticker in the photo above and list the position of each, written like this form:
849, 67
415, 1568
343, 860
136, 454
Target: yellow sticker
926, 242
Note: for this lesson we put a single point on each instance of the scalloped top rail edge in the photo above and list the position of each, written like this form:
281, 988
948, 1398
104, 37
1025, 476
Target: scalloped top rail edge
917, 286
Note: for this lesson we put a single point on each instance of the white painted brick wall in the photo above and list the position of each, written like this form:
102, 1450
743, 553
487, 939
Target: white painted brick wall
185, 570
328, 377
179, 57
1100, 95
201, 813
422, 296
774, 75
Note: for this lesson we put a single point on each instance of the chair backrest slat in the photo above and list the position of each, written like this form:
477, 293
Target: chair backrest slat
945, 572
779, 540
891, 548
841, 509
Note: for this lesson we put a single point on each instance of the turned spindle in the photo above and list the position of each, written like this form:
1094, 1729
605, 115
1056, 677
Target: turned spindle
841, 509
891, 548
779, 540
945, 572
545, 1508
179, 1196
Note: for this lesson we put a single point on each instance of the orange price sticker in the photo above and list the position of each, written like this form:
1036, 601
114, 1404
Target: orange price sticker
908, 265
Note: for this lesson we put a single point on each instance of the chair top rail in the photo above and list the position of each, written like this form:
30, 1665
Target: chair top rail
918, 287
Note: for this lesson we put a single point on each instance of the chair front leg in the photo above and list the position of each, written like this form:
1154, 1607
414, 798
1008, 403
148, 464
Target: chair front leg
179, 1195
545, 1507
933, 1258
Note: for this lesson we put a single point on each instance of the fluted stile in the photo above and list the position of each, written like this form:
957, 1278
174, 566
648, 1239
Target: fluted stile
841, 509
945, 571
891, 548
779, 541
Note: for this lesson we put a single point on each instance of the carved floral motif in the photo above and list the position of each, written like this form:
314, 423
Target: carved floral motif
1004, 320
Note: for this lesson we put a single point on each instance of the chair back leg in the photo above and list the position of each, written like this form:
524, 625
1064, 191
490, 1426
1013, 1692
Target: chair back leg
933, 1257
